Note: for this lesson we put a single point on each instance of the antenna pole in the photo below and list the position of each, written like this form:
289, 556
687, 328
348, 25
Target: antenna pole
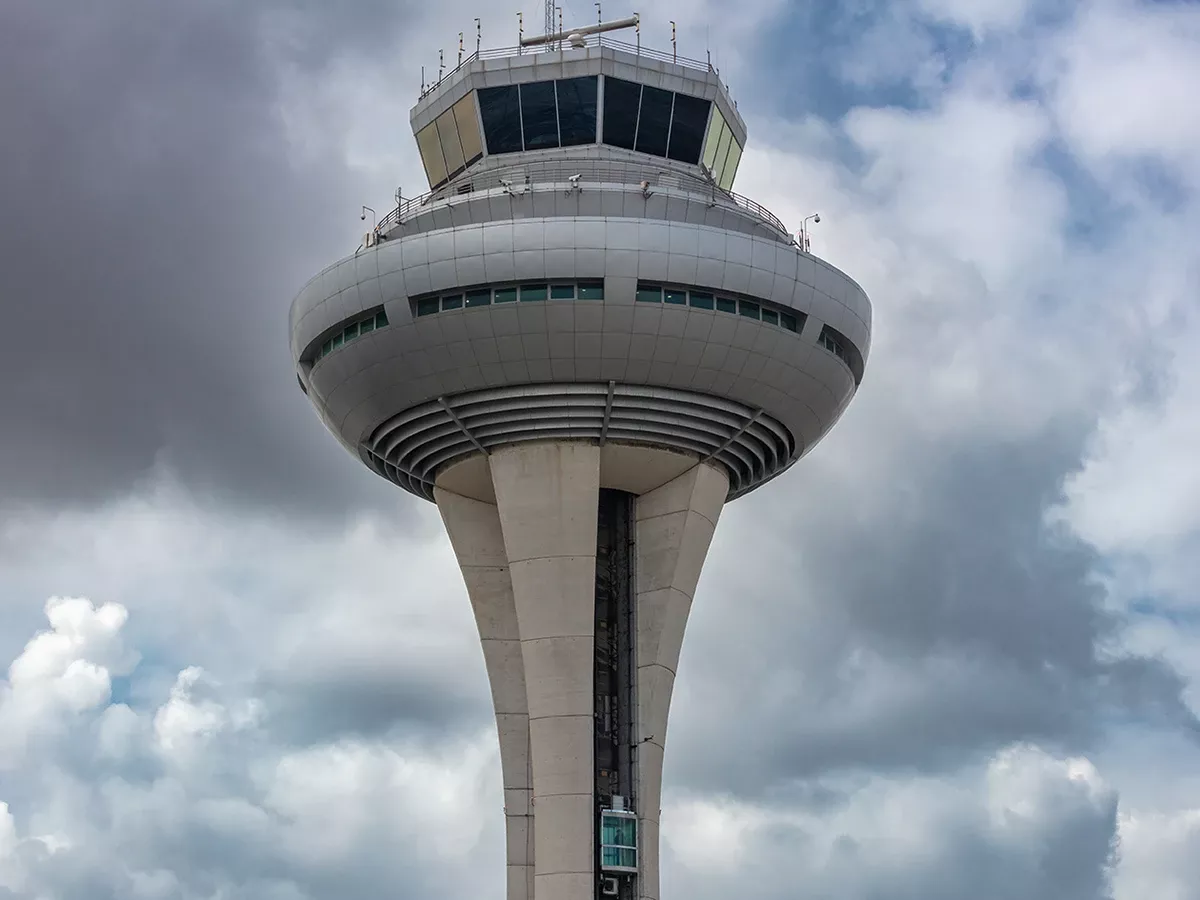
674, 49
560, 25
422, 81
520, 32
599, 16
441, 64
460, 47
478, 37
549, 17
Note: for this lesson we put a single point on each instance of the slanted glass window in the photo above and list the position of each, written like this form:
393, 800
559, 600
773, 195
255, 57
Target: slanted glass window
591, 290
479, 298
788, 321
452, 301
468, 128
701, 300
688, 121
621, 100
654, 121
748, 309
367, 327
618, 841
337, 340
381, 319
500, 109
539, 115
679, 298
562, 292
428, 306
649, 294
577, 110
506, 295
724, 304
327, 346
770, 317
533, 292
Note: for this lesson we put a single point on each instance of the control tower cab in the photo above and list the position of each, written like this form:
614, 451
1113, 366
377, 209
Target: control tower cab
580, 343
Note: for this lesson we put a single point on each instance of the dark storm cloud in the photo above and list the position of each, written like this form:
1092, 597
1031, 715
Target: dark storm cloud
154, 230
924, 625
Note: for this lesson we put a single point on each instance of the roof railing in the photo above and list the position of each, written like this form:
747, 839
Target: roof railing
592, 40
633, 173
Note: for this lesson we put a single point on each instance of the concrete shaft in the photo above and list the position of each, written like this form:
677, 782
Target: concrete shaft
529, 563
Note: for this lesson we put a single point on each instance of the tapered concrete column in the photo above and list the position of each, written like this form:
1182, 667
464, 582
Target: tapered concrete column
674, 527
546, 496
475, 534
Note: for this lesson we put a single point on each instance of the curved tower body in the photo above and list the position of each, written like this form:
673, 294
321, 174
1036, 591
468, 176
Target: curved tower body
580, 344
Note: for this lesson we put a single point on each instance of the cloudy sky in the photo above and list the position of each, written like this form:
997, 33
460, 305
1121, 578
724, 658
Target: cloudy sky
955, 653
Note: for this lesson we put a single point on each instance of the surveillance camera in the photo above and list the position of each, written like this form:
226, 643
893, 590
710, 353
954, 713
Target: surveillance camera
506, 182
363, 217
817, 218
574, 179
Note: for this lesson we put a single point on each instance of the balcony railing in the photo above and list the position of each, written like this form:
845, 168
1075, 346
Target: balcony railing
556, 172
591, 40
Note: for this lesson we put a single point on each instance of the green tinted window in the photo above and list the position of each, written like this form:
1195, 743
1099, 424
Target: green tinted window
591, 290
380, 319
479, 298
724, 304
452, 301
770, 316
351, 332
679, 298
326, 347
337, 341
788, 321
748, 309
533, 292
647, 294
700, 300
428, 306
562, 292
506, 295
366, 326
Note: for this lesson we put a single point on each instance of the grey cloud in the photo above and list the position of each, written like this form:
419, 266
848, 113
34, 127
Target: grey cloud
156, 226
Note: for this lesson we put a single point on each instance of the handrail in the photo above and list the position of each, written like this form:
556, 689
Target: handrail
559, 172
595, 40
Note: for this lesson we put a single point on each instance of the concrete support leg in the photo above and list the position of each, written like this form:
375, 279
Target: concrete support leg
546, 497
674, 527
475, 534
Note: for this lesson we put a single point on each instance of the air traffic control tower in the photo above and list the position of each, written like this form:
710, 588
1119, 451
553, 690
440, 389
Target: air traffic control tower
580, 344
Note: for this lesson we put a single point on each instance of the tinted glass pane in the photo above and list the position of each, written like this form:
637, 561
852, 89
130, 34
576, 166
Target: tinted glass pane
748, 309
500, 108
326, 347
562, 292
770, 316
649, 294
350, 333
506, 295
533, 292
591, 290
787, 321
654, 121
703, 301
677, 297
380, 319
479, 298
428, 306
369, 325
620, 112
577, 110
688, 122
454, 301
726, 305
337, 340
539, 117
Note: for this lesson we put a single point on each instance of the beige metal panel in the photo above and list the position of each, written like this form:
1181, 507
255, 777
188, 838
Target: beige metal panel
716, 125
731, 165
451, 147
468, 127
431, 154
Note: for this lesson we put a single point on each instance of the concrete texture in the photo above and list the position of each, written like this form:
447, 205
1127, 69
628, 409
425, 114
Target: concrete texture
528, 561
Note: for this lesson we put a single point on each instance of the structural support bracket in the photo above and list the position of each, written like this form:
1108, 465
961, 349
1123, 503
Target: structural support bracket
463, 428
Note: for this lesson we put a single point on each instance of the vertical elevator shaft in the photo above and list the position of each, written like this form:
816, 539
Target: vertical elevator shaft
615, 665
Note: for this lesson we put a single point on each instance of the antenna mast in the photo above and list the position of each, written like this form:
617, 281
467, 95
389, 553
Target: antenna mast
549, 18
